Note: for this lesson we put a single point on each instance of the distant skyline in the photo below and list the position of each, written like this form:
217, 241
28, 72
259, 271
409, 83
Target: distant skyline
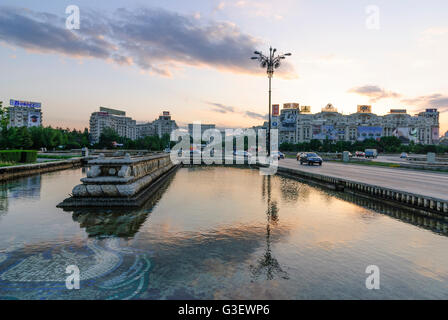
193, 58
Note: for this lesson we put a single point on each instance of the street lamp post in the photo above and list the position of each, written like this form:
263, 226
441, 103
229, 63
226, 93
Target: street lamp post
271, 63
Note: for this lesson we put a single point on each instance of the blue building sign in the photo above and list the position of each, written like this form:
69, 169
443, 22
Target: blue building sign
29, 104
369, 133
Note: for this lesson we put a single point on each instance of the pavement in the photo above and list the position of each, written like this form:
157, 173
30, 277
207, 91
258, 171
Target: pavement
425, 183
392, 159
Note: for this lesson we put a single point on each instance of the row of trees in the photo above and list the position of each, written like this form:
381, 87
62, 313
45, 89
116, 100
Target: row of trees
42, 137
109, 139
385, 144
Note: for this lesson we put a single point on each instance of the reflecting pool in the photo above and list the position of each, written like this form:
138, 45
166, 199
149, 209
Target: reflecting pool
216, 233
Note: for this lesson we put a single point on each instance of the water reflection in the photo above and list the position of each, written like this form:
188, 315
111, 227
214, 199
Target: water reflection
268, 264
217, 232
117, 222
28, 188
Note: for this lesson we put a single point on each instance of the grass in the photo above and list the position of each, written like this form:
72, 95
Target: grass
10, 164
49, 156
7, 164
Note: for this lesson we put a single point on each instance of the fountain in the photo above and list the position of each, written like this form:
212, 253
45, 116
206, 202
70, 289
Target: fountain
120, 181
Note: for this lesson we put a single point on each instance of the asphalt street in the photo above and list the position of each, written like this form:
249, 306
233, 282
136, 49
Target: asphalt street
427, 183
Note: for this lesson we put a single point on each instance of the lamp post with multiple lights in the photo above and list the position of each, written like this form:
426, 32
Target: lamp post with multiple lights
270, 62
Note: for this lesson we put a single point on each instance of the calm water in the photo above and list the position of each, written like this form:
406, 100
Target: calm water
216, 233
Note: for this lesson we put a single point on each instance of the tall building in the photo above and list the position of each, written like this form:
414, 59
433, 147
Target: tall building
24, 113
164, 124
330, 124
111, 118
145, 129
287, 122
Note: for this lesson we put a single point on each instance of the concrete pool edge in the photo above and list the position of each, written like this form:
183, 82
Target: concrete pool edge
415, 202
20, 171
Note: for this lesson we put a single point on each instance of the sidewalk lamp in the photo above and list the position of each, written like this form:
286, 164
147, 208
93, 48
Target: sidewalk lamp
270, 62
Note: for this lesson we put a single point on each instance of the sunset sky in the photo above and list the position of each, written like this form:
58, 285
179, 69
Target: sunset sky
192, 57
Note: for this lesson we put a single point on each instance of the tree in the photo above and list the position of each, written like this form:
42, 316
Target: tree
24, 140
389, 144
107, 137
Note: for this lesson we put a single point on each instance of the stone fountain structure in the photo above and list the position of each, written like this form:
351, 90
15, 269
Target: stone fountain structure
120, 181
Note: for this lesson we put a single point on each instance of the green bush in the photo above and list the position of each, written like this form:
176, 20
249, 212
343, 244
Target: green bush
16, 156
28, 156
10, 155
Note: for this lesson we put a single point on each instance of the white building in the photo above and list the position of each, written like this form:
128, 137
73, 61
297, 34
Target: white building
332, 125
164, 124
287, 123
145, 129
111, 118
24, 113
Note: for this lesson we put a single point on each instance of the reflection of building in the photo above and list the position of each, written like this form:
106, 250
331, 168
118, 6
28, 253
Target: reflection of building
332, 125
111, 118
24, 114
28, 187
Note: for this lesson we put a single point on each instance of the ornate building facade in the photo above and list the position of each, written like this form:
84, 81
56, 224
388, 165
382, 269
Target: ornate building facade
332, 125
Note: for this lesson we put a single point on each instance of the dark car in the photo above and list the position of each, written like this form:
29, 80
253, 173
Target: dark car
310, 158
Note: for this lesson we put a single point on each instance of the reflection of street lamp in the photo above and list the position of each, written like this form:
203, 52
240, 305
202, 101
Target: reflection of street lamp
270, 62
268, 262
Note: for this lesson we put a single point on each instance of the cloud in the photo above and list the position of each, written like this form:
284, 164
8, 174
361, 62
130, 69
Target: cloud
218, 107
375, 93
255, 115
436, 100
156, 40
44, 33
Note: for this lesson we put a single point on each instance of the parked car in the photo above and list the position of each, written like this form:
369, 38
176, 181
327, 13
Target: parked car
403, 155
360, 154
371, 153
310, 158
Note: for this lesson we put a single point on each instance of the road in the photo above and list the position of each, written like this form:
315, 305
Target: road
425, 183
